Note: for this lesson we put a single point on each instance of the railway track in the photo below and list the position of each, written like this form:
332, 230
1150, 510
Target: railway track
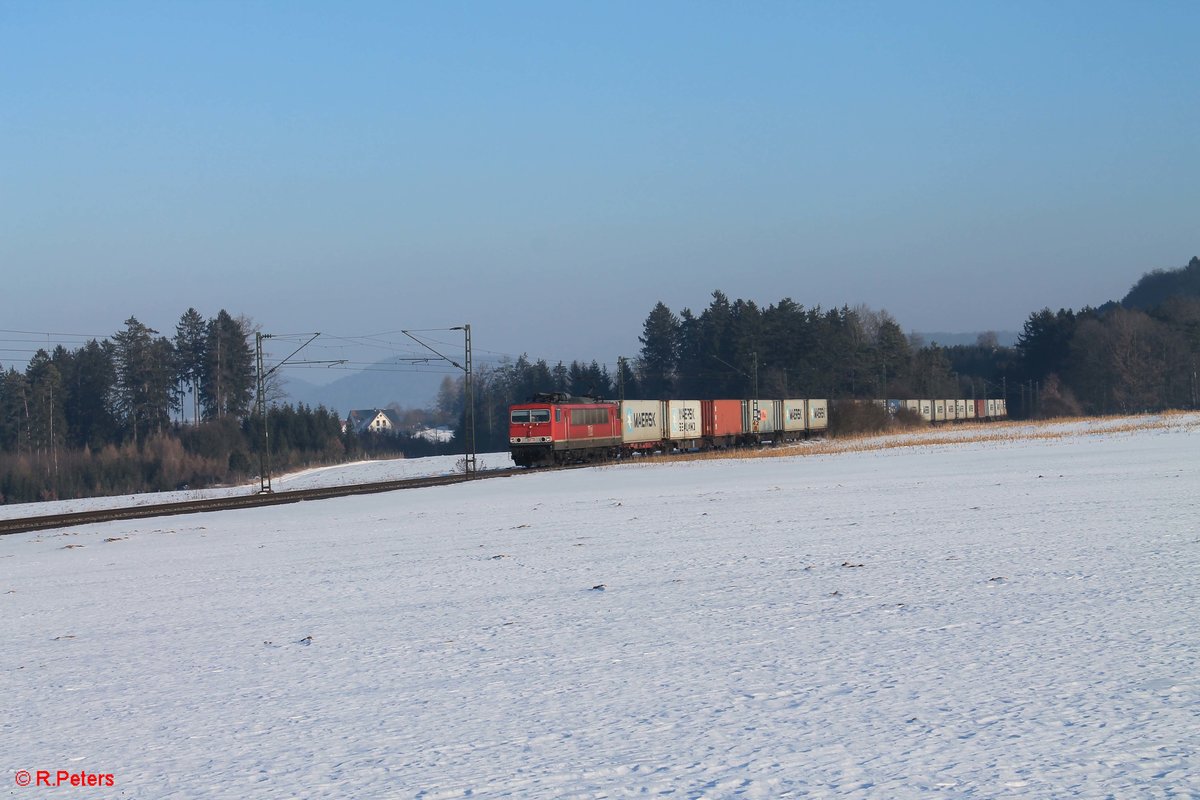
50, 521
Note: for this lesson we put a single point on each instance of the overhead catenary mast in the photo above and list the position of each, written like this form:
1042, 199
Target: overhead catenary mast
469, 456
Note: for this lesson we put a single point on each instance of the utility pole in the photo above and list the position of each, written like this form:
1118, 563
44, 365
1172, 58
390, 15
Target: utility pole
756, 419
469, 465
470, 461
755, 355
264, 455
264, 460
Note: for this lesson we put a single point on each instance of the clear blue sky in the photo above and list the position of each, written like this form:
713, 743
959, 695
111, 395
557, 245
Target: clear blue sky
548, 171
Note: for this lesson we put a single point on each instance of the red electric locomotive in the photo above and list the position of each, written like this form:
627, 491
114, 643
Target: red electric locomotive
555, 428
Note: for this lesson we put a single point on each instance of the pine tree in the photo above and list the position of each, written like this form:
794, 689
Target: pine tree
47, 423
227, 381
14, 412
190, 339
561, 378
89, 377
1045, 342
142, 396
660, 352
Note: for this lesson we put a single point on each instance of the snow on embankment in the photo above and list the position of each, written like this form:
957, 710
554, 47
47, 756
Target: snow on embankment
999, 619
318, 477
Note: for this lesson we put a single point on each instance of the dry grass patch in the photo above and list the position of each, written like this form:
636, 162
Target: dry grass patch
1008, 431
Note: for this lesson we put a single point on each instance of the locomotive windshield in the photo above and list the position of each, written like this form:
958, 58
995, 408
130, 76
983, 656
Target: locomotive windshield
522, 416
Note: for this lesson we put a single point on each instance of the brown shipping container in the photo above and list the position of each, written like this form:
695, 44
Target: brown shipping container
722, 417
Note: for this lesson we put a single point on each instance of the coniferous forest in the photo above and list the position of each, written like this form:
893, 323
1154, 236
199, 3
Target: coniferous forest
142, 411
1139, 354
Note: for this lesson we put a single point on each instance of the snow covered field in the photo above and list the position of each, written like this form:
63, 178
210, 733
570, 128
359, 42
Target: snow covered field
1005, 618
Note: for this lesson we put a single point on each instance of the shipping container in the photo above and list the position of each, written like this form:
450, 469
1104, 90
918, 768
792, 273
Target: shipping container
970, 409
960, 409
683, 420
721, 420
991, 408
1002, 407
926, 410
795, 416
939, 410
642, 421
818, 414
762, 417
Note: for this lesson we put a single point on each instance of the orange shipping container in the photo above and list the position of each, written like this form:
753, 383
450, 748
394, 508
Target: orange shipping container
721, 417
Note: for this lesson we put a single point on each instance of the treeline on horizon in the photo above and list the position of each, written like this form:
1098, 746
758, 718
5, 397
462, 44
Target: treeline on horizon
105, 418
1140, 354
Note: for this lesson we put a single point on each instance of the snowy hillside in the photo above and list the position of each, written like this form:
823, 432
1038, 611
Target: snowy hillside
1011, 617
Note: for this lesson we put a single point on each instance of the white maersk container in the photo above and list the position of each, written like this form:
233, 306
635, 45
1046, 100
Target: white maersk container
818, 414
939, 411
683, 420
795, 416
991, 408
970, 409
642, 421
960, 409
950, 412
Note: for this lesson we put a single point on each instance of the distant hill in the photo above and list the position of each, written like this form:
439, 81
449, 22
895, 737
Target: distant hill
943, 339
1155, 288
368, 389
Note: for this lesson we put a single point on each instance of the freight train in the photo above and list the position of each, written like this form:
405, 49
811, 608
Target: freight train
555, 428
